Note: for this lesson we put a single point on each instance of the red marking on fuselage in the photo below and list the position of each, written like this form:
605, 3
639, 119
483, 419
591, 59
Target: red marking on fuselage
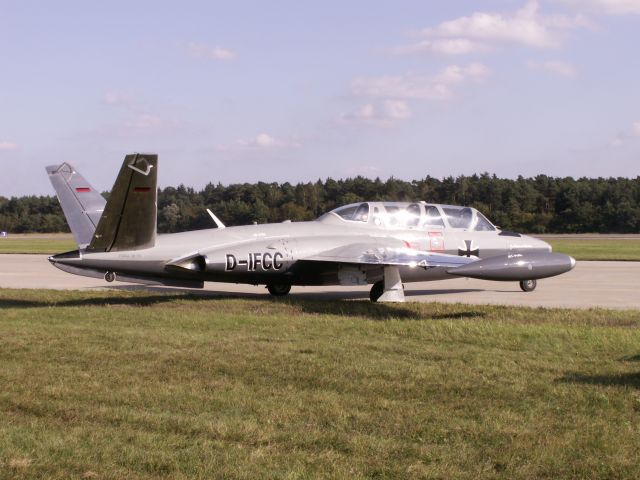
83, 189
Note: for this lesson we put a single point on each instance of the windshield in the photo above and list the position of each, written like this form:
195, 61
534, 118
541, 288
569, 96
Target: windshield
467, 218
354, 213
459, 217
432, 217
482, 224
398, 215
402, 216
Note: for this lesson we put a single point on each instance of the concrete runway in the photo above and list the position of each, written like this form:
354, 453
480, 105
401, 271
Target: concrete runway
591, 284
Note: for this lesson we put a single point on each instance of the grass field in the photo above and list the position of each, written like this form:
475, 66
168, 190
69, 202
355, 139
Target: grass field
605, 249
143, 385
36, 243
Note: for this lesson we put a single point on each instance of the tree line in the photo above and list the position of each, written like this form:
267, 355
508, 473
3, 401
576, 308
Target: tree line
541, 204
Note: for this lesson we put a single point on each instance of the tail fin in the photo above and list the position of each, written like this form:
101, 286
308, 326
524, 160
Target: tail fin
130, 217
81, 203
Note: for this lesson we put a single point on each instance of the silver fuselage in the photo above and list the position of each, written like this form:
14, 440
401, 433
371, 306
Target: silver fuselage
267, 253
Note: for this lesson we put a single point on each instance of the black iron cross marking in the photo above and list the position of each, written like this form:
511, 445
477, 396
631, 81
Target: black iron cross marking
468, 252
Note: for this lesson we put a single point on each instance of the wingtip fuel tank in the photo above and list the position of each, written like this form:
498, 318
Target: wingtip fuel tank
517, 266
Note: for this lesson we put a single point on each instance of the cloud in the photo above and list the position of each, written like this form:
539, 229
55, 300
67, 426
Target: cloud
633, 132
558, 67
444, 46
206, 52
136, 125
262, 141
138, 118
384, 115
397, 109
8, 146
423, 87
144, 122
609, 7
117, 99
525, 27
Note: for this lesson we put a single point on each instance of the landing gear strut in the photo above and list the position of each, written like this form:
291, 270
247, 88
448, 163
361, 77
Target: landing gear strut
390, 288
528, 285
279, 289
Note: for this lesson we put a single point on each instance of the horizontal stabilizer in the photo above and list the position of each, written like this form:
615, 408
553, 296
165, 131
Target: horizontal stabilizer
81, 203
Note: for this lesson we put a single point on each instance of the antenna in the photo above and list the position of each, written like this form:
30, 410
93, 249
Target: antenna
215, 219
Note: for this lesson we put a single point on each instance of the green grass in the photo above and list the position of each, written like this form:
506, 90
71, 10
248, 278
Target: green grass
605, 249
37, 244
145, 385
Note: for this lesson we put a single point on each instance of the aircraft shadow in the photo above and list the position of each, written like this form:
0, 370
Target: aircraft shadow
616, 379
97, 301
195, 292
375, 311
339, 306
631, 358
261, 295
332, 303
415, 293
331, 295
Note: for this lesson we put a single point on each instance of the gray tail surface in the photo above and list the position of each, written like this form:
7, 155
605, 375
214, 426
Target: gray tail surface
81, 203
129, 220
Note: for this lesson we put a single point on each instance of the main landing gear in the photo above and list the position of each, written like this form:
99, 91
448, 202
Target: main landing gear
528, 285
376, 291
390, 288
279, 289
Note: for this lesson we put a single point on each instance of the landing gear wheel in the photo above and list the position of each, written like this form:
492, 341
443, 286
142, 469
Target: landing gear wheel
528, 285
109, 276
279, 289
376, 291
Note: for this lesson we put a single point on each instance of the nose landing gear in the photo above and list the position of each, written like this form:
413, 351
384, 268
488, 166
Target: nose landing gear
528, 285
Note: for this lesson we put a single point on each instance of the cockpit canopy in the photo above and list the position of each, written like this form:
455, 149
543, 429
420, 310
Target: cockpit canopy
404, 215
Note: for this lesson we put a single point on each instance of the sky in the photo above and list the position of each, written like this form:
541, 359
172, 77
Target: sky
249, 91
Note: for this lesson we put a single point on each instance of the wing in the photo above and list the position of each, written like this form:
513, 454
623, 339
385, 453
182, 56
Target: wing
388, 253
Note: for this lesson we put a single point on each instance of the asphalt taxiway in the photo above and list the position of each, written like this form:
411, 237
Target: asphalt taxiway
590, 285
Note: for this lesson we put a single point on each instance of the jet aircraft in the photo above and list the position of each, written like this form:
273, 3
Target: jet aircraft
383, 244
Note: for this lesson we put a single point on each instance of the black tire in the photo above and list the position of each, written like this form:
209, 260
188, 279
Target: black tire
376, 291
279, 289
528, 285
110, 276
